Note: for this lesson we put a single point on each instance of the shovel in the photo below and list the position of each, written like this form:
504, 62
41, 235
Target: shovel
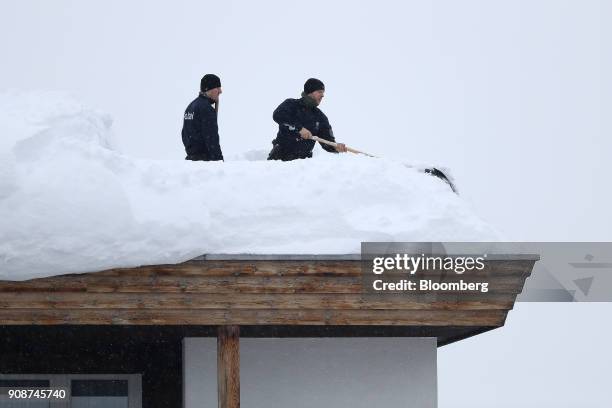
350, 149
431, 171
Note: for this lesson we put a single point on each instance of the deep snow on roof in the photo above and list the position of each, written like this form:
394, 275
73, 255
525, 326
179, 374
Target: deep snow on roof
69, 202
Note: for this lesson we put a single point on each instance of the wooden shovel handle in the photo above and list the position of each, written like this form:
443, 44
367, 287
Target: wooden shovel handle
327, 142
320, 140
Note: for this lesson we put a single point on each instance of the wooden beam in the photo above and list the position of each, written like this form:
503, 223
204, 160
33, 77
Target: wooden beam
266, 301
228, 366
215, 317
226, 285
292, 293
286, 268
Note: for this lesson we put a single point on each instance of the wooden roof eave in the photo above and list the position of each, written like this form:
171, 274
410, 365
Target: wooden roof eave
296, 295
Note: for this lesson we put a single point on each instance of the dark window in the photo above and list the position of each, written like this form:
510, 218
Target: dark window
24, 383
99, 388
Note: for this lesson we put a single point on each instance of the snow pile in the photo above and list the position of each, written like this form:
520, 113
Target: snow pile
70, 203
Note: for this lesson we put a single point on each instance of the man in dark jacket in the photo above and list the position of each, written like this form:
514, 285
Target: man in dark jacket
298, 120
200, 131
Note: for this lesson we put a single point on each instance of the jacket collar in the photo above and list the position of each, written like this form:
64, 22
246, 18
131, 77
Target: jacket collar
307, 101
203, 96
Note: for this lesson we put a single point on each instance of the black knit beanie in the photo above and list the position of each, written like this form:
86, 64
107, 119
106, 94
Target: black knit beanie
209, 81
313, 84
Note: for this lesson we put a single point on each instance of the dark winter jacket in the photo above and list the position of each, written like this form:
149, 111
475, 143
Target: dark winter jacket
200, 132
291, 116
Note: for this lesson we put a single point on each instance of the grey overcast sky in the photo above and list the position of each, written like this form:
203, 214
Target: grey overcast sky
514, 96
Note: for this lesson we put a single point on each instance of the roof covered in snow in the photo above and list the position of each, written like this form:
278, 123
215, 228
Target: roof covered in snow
70, 202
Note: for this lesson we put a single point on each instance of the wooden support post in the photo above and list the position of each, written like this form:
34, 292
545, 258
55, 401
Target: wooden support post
228, 366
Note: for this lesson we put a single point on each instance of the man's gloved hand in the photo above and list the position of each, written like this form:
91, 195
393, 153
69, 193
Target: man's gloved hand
305, 133
341, 148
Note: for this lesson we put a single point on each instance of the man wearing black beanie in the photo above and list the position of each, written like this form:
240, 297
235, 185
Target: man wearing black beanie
298, 120
200, 130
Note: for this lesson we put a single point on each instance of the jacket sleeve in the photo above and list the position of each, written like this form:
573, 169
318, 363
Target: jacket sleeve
286, 117
326, 133
210, 133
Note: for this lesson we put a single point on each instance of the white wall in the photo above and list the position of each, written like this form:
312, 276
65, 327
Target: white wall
324, 372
